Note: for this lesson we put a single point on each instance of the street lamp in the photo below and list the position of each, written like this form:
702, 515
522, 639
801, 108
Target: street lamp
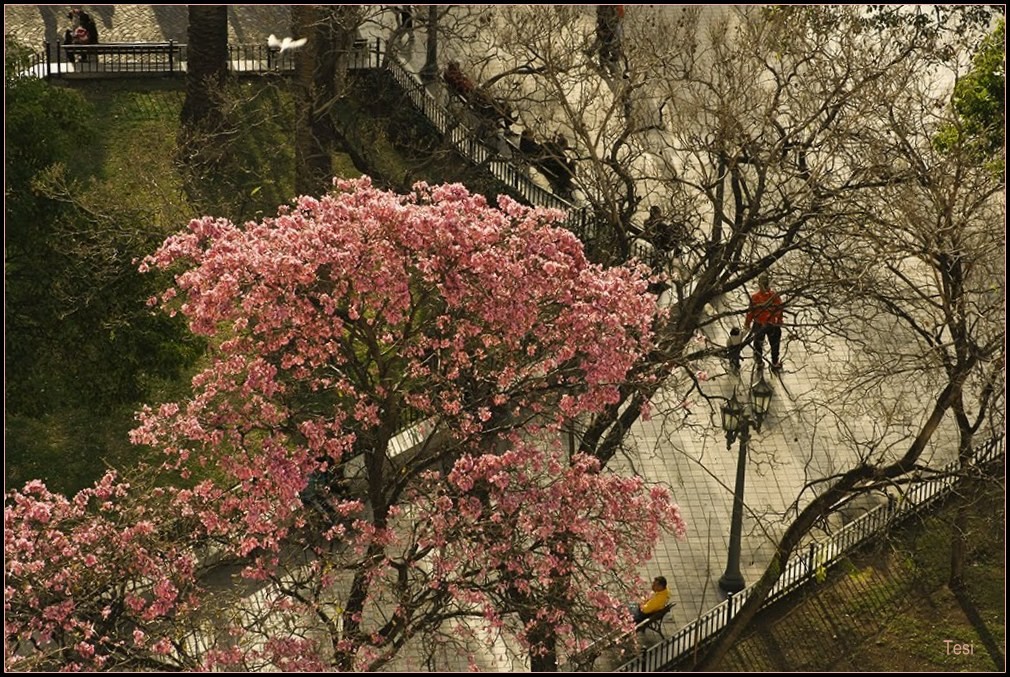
736, 421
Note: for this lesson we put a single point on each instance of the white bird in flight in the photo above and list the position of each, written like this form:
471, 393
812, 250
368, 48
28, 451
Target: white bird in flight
285, 44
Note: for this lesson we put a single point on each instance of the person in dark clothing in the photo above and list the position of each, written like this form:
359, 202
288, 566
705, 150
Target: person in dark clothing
608, 36
529, 146
491, 109
556, 164
84, 32
84, 20
734, 349
405, 16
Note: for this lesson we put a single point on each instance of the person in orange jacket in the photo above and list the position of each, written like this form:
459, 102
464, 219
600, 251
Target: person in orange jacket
765, 312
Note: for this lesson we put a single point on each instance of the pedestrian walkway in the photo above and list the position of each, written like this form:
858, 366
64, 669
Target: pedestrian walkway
32, 25
814, 428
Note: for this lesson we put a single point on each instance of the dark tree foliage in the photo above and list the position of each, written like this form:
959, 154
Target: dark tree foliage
934, 19
979, 100
81, 345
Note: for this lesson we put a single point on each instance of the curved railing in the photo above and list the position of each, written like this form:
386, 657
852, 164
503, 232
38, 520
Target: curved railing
803, 566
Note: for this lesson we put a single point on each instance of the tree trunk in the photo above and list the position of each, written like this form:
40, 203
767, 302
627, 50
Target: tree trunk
958, 530
545, 658
320, 71
429, 72
958, 548
312, 159
207, 64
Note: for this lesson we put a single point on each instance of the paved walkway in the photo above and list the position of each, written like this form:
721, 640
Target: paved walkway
808, 435
33, 24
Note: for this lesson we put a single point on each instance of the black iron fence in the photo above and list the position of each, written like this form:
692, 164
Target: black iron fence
114, 59
805, 565
467, 142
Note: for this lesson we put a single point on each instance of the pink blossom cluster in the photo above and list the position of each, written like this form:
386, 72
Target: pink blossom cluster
330, 324
78, 571
531, 523
343, 313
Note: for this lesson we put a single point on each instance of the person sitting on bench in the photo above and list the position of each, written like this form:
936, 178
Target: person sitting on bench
660, 596
84, 20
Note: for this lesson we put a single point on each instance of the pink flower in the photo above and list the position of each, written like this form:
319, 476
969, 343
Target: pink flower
162, 646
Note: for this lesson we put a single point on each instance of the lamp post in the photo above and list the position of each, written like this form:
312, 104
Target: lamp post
737, 419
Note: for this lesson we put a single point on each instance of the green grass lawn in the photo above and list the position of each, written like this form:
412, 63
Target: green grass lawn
888, 608
136, 188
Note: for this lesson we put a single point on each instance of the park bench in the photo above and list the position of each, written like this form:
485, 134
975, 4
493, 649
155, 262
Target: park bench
584, 660
126, 57
654, 621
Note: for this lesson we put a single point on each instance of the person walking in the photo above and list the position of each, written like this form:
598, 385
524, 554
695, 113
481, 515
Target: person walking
765, 313
734, 349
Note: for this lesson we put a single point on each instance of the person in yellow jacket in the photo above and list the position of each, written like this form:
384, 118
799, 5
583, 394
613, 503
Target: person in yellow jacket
660, 596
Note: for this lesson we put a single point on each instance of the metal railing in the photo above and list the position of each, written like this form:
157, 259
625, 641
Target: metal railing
108, 59
466, 142
159, 58
804, 566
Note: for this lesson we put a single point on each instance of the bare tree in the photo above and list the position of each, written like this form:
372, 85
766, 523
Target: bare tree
762, 133
938, 267
917, 260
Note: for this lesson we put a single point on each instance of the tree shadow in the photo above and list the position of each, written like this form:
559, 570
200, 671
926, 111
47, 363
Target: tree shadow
55, 21
105, 13
977, 622
172, 20
251, 24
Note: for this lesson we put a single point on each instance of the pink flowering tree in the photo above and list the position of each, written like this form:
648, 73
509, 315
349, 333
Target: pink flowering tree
95, 581
337, 324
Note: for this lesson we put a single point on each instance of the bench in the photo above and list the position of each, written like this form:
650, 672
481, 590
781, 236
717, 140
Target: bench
129, 57
654, 621
584, 660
